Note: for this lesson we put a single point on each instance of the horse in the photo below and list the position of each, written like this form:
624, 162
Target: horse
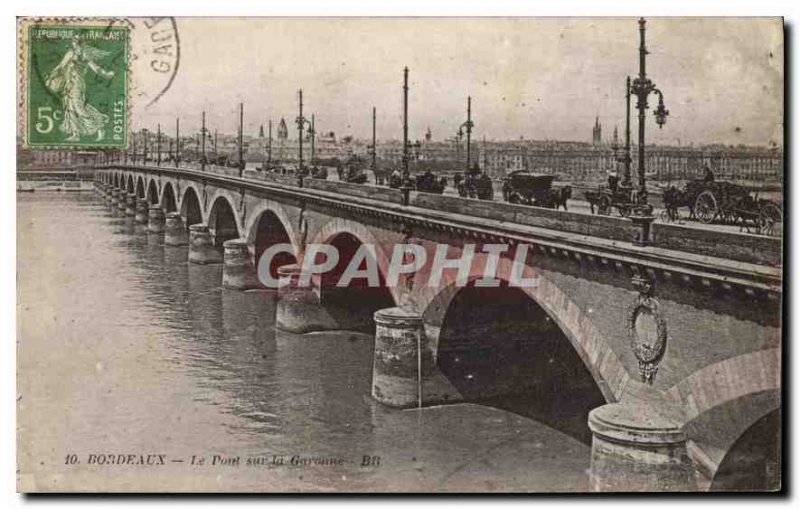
559, 197
674, 198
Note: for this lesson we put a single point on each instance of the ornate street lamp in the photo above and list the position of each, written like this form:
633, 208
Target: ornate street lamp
642, 87
144, 137
177, 142
133, 146
241, 139
301, 122
466, 126
203, 143
373, 149
406, 187
312, 134
269, 150
625, 158
158, 144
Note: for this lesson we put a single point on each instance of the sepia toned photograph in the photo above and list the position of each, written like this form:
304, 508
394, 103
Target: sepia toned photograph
400, 254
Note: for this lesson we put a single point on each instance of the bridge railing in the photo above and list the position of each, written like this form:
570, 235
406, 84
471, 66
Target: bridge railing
744, 247
583, 224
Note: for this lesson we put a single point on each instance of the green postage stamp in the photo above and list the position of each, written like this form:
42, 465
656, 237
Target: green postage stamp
76, 84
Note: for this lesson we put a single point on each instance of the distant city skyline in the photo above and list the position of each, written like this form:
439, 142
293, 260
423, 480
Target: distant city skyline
549, 78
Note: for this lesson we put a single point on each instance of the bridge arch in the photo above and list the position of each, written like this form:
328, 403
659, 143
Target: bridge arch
605, 367
168, 201
131, 187
753, 462
116, 180
152, 192
723, 403
191, 211
353, 306
222, 220
265, 208
363, 235
268, 226
528, 350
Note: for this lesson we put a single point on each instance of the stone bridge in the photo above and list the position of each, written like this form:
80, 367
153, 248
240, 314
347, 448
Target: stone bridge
670, 348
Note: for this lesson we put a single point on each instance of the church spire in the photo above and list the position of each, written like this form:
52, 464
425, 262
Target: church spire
597, 132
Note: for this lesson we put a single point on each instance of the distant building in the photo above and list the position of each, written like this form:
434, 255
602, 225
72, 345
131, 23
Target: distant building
283, 131
39, 158
597, 132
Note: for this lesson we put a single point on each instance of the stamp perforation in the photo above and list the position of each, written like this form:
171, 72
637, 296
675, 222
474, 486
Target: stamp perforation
24, 56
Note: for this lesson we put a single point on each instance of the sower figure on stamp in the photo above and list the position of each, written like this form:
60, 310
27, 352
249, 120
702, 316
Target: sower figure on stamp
66, 80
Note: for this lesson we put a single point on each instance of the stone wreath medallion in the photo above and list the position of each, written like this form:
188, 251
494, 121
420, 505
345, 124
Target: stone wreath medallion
647, 329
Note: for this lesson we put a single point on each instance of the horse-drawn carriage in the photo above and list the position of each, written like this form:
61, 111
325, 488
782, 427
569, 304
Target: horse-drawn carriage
319, 172
606, 198
724, 202
535, 189
426, 182
352, 170
474, 185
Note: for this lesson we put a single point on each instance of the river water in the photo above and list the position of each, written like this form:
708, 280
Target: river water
124, 348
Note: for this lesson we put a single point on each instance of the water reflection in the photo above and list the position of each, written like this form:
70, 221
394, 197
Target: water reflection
190, 367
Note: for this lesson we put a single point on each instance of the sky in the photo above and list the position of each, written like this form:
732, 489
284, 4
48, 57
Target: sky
545, 78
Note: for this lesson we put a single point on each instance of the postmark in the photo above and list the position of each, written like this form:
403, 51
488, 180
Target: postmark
75, 78
155, 58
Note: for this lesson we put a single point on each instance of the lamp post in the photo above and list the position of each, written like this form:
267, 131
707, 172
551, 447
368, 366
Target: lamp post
625, 158
467, 126
241, 139
301, 122
144, 150
406, 186
177, 142
312, 133
158, 145
642, 87
373, 150
269, 150
203, 143
406, 175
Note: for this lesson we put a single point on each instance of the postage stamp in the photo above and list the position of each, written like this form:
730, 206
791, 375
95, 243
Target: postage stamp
76, 85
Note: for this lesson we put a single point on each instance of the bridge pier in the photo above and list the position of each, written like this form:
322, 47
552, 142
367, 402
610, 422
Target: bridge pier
127, 204
141, 215
201, 245
636, 448
174, 231
155, 219
402, 361
238, 271
113, 199
299, 308
123, 202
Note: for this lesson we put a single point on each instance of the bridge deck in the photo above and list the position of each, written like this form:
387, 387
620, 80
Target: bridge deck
707, 268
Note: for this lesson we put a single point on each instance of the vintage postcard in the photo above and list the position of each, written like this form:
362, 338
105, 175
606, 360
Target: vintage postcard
400, 254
